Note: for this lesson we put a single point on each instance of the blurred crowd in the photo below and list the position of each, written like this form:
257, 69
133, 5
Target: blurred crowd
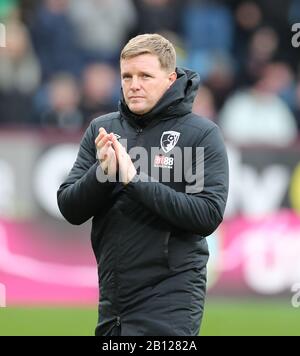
60, 66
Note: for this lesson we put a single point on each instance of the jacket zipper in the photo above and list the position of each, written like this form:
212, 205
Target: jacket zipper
116, 276
139, 132
166, 248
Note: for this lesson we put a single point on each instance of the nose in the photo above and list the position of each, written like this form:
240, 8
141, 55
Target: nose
135, 83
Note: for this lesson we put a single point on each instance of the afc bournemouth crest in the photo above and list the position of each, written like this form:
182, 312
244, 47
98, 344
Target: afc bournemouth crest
169, 140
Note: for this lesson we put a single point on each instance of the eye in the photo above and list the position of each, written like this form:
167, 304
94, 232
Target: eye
146, 76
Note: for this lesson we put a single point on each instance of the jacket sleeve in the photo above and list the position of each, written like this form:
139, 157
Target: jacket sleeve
199, 212
82, 196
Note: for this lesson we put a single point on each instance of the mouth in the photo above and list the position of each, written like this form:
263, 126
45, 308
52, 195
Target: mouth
136, 97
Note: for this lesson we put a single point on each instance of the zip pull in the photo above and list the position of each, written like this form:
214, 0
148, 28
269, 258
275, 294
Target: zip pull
118, 322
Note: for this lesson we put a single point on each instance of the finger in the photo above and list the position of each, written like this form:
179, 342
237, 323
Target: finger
109, 136
101, 143
102, 133
104, 167
100, 137
102, 157
117, 147
111, 154
111, 159
102, 130
110, 164
106, 164
102, 153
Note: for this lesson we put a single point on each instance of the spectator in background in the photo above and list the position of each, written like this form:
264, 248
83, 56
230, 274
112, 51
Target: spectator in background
102, 26
207, 25
208, 31
27, 10
204, 104
258, 116
261, 50
54, 39
294, 12
221, 77
98, 90
164, 17
248, 18
276, 14
159, 16
278, 79
63, 102
19, 76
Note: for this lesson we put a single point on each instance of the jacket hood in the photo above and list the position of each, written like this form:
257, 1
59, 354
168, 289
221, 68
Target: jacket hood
176, 102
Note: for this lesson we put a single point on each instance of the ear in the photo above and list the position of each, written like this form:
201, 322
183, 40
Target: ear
172, 78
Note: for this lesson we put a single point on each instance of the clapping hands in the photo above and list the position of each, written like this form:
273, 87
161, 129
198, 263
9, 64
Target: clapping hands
113, 157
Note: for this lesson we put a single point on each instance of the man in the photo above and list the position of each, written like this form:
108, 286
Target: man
148, 232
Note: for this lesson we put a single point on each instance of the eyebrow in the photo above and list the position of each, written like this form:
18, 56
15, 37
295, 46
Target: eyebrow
125, 74
142, 72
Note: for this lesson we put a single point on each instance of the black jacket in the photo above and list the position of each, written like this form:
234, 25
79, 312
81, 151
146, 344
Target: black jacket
149, 237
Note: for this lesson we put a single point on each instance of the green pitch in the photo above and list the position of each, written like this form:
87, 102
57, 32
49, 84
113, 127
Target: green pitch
221, 318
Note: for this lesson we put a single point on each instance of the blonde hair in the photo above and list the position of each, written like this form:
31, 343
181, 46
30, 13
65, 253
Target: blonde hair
152, 44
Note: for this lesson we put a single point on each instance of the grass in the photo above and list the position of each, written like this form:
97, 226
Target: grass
267, 318
221, 318
47, 321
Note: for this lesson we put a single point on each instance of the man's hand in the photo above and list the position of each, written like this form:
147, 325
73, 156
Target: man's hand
126, 168
106, 153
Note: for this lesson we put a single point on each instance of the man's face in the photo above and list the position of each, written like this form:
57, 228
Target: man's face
144, 82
